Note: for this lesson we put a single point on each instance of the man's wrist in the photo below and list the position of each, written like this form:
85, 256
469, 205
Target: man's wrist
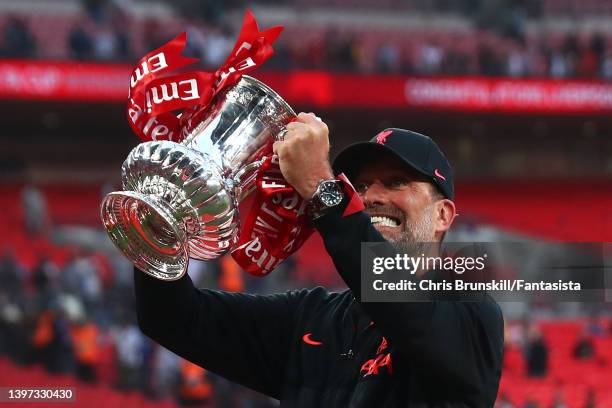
311, 188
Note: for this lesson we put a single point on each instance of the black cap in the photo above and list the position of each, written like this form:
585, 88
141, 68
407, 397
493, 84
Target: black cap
416, 150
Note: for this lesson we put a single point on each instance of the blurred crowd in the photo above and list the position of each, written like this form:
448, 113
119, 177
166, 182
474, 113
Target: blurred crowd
528, 354
586, 58
79, 319
73, 312
533, 350
498, 45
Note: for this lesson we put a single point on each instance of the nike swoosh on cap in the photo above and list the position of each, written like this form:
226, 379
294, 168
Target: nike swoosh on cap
439, 175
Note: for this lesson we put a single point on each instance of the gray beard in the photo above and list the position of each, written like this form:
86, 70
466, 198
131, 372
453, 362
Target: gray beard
416, 238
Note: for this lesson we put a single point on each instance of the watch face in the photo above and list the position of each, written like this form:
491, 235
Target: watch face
330, 194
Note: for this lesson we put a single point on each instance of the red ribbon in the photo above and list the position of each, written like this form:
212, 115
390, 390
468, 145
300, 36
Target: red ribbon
279, 226
154, 94
276, 226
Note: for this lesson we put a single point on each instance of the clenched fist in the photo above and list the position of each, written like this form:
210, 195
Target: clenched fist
304, 154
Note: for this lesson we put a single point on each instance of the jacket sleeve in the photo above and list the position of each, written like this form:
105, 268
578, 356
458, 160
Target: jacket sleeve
459, 342
242, 337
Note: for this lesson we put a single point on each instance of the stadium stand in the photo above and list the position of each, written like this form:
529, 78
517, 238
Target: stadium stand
415, 44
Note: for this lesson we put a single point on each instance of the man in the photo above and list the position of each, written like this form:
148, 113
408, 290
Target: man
313, 348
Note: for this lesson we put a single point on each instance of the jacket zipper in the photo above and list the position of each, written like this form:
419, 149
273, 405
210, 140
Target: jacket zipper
350, 354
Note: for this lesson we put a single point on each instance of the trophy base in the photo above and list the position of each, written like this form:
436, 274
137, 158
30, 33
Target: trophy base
147, 233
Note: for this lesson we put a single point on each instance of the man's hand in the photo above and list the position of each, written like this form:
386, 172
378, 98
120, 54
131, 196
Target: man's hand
304, 154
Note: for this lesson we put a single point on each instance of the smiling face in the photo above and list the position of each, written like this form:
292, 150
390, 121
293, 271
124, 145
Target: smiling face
403, 204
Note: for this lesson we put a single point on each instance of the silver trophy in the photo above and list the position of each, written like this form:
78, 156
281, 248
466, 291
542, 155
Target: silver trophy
180, 200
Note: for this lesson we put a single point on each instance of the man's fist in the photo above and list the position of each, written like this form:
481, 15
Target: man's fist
304, 154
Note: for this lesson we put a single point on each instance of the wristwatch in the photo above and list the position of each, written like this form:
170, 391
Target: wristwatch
329, 194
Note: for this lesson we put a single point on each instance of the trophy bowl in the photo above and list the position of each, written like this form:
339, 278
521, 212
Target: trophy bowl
180, 200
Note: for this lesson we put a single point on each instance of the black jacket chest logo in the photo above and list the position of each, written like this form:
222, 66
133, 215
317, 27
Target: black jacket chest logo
381, 364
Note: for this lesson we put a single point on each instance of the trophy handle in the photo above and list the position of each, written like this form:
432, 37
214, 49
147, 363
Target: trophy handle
243, 176
246, 175
145, 229
243, 181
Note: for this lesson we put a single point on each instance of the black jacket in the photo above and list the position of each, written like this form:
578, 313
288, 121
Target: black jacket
313, 348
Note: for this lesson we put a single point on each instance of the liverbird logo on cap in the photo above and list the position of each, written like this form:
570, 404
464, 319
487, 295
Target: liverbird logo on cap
381, 138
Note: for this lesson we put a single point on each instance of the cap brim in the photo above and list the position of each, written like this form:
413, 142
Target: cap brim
350, 160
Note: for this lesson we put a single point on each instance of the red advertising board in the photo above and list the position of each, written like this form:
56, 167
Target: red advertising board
34, 80
62, 81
